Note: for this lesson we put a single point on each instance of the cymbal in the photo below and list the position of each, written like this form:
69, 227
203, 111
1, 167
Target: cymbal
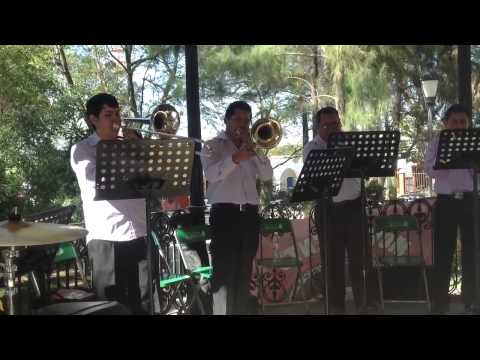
23, 233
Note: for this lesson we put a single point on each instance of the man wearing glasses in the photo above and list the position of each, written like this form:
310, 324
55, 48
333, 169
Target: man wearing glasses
344, 230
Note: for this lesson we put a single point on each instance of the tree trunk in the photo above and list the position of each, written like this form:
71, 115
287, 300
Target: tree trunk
172, 75
397, 104
464, 76
130, 86
64, 63
305, 128
99, 68
316, 74
340, 92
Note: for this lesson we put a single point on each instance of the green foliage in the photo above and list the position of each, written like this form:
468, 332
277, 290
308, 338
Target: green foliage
28, 127
42, 97
391, 188
368, 93
254, 73
375, 190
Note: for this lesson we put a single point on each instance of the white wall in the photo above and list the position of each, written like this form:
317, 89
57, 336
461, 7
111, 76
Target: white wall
292, 167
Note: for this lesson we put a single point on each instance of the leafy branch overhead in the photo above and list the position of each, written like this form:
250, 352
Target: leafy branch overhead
43, 90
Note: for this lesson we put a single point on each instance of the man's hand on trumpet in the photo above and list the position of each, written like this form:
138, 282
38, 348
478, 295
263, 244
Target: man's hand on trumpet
243, 154
246, 148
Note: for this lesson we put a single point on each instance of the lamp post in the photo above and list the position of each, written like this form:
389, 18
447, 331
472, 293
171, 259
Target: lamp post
429, 87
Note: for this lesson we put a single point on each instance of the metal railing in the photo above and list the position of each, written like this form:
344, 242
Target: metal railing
414, 182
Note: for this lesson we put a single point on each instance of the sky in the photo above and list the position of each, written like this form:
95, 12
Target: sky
292, 135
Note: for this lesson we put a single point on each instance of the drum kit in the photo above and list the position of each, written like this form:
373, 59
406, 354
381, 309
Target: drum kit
16, 234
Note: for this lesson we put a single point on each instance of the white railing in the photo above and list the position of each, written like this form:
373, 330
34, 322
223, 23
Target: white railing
413, 182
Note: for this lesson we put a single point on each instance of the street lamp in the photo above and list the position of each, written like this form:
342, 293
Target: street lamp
429, 87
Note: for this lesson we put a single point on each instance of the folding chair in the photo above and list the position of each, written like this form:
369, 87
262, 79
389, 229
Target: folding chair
273, 229
188, 235
396, 225
173, 281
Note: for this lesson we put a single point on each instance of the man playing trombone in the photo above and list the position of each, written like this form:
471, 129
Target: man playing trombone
116, 228
231, 167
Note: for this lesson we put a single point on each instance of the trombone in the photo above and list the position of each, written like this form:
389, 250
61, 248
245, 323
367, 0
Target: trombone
266, 133
163, 123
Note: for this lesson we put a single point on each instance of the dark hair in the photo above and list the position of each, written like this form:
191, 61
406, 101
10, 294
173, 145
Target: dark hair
455, 108
95, 105
96, 102
326, 110
240, 105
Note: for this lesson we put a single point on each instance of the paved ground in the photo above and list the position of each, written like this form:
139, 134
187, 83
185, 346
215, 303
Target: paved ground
316, 307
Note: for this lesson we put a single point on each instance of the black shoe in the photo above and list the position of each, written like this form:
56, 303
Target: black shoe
370, 309
336, 310
439, 310
471, 310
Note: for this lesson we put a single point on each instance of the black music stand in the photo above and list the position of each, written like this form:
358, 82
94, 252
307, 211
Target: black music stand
460, 149
133, 169
321, 177
375, 155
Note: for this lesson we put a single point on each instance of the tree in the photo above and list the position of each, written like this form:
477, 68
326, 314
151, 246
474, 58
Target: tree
43, 90
162, 68
28, 127
254, 73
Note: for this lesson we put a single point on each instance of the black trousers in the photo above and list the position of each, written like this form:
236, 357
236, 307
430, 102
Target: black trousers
120, 272
449, 214
344, 231
235, 237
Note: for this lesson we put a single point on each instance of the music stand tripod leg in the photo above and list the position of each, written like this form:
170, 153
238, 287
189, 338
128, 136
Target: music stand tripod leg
325, 251
170, 176
321, 177
10, 269
375, 155
476, 234
364, 240
149, 254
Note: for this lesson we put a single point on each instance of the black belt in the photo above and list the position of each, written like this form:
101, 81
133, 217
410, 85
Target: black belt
346, 202
456, 195
239, 207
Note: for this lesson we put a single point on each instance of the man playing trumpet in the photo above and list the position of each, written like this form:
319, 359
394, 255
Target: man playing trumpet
231, 168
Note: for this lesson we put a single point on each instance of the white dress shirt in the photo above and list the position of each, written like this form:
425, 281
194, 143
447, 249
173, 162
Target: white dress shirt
114, 220
229, 182
351, 187
447, 181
